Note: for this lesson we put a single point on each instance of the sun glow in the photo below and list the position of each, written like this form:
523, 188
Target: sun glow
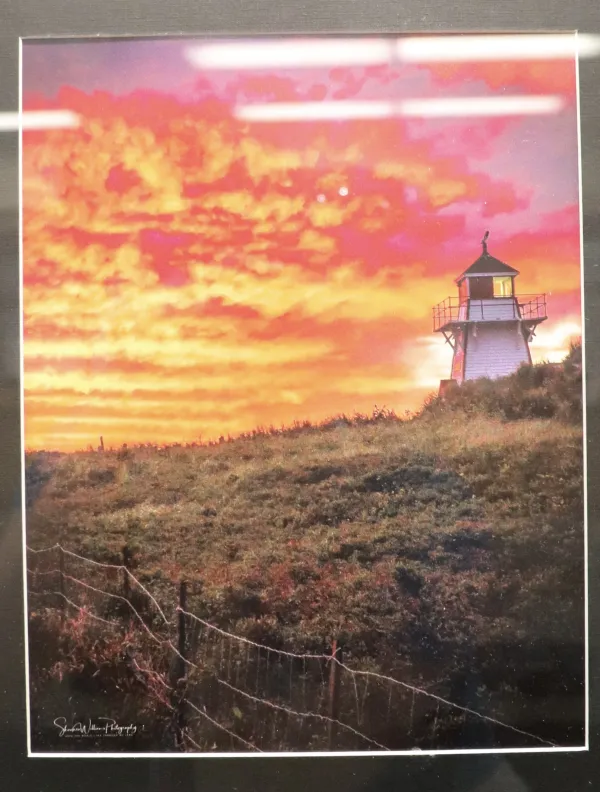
190, 273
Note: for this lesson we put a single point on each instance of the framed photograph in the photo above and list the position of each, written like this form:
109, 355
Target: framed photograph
305, 394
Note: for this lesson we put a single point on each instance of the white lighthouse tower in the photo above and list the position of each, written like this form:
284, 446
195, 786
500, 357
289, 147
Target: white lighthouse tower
488, 327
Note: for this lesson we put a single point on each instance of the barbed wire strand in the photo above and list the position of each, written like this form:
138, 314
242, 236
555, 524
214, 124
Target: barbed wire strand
305, 715
443, 701
186, 736
197, 709
218, 679
220, 726
351, 671
43, 549
80, 608
281, 707
241, 639
154, 674
117, 597
329, 658
120, 567
368, 674
43, 571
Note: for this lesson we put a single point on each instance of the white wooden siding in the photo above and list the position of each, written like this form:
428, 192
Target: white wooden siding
494, 350
493, 310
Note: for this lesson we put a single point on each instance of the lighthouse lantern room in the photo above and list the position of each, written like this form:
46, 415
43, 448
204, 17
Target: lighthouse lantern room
488, 327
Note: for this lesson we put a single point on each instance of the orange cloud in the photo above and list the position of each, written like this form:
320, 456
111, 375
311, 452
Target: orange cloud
188, 275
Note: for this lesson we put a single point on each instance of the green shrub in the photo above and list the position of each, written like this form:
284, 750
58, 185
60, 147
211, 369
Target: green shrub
544, 390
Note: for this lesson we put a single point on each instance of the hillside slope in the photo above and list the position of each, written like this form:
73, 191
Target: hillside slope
447, 548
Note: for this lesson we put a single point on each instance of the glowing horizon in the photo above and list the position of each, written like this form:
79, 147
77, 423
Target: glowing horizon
192, 274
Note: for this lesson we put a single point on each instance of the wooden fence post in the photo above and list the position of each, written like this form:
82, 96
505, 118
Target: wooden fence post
195, 630
126, 565
334, 693
61, 584
179, 693
181, 621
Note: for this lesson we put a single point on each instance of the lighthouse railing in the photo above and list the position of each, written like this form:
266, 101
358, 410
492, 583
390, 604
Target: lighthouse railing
527, 307
532, 306
446, 312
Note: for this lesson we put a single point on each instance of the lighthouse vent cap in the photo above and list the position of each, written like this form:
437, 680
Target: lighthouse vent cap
486, 264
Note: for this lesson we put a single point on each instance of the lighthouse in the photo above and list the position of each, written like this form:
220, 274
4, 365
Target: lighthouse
488, 327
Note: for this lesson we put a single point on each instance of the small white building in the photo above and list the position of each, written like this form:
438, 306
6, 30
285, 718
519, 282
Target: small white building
488, 327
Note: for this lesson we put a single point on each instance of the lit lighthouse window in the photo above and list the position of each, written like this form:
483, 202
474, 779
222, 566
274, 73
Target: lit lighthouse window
503, 287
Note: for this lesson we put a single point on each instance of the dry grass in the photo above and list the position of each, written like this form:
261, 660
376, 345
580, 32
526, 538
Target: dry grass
301, 522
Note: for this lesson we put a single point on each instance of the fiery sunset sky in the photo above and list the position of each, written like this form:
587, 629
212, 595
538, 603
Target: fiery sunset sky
188, 273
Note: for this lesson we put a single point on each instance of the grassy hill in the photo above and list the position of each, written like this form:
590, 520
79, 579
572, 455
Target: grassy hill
446, 548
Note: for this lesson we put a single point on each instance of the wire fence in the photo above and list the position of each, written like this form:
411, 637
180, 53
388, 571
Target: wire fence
226, 692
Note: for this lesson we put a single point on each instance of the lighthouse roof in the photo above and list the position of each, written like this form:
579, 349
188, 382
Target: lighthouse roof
488, 265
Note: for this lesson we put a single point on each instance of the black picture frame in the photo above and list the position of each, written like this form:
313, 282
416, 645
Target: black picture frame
71, 18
